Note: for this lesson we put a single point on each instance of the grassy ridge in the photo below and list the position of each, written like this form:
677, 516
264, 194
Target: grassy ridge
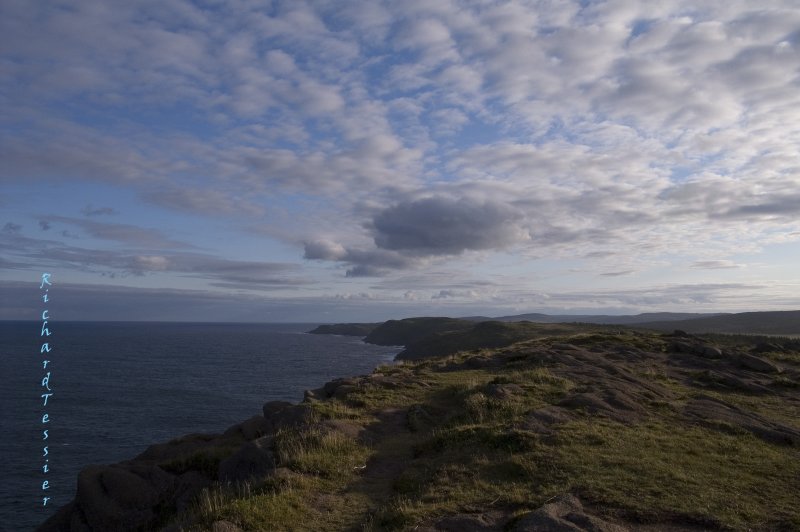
617, 418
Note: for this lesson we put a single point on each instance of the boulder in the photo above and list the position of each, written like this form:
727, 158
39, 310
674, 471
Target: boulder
224, 526
122, 496
179, 447
188, 486
719, 415
330, 387
253, 459
253, 428
351, 430
344, 390
282, 415
487, 522
758, 364
564, 514
709, 351
503, 391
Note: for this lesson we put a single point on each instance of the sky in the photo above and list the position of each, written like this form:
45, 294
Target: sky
327, 161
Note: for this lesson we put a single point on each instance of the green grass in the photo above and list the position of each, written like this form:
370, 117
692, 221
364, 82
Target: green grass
319, 452
464, 448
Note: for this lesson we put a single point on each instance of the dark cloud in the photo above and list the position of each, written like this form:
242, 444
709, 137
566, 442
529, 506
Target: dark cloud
443, 226
364, 263
365, 270
323, 250
12, 228
788, 206
44, 224
99, 211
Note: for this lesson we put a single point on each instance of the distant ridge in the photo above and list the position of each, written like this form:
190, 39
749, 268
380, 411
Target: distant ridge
402, 332
778, 322
647, 317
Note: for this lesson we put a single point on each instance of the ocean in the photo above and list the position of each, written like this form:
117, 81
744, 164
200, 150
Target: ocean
119, 387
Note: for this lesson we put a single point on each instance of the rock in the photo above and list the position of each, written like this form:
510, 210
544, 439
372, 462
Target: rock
253, 459
330, 387
344, 390
758, 364
272, 407
564, 514
122, 496
253, 428
565, 347
282, 415
351, 430
224, 526
766, 347
703, 350
709, 351
719, 415
504, 391
470, 523
188, 486
681, 347
179, 447
314, 395
550, 415
385, 382
613, 403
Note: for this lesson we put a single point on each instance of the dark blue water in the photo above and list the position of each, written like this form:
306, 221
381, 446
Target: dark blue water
119, 387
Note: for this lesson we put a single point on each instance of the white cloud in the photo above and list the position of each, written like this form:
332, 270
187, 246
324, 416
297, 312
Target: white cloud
397, 135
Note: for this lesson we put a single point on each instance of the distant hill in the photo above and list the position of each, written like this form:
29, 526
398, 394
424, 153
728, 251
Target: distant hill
598, 318
346, 329
488, 334
410, 330
779, 322
425, 335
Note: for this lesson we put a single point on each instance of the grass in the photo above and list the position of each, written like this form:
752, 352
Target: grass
319, 452
463, 446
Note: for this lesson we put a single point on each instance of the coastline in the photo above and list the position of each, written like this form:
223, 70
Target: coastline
362, 442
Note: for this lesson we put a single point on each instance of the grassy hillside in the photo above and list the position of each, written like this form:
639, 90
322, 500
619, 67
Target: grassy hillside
488, 334
624, 429
774, 323
410, 330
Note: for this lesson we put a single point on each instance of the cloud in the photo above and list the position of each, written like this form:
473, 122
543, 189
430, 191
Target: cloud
202, 201
123, 233
390, 138
324, 250
11, 227
179, 264
714, 264
443, 226
617, 274
450, 294
99, 211
44, 225
362, 263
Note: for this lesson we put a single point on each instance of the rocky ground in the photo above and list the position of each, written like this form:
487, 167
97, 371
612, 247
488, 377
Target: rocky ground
583, 431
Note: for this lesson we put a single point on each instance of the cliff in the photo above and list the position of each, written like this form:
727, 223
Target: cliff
567, 428
346, 329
